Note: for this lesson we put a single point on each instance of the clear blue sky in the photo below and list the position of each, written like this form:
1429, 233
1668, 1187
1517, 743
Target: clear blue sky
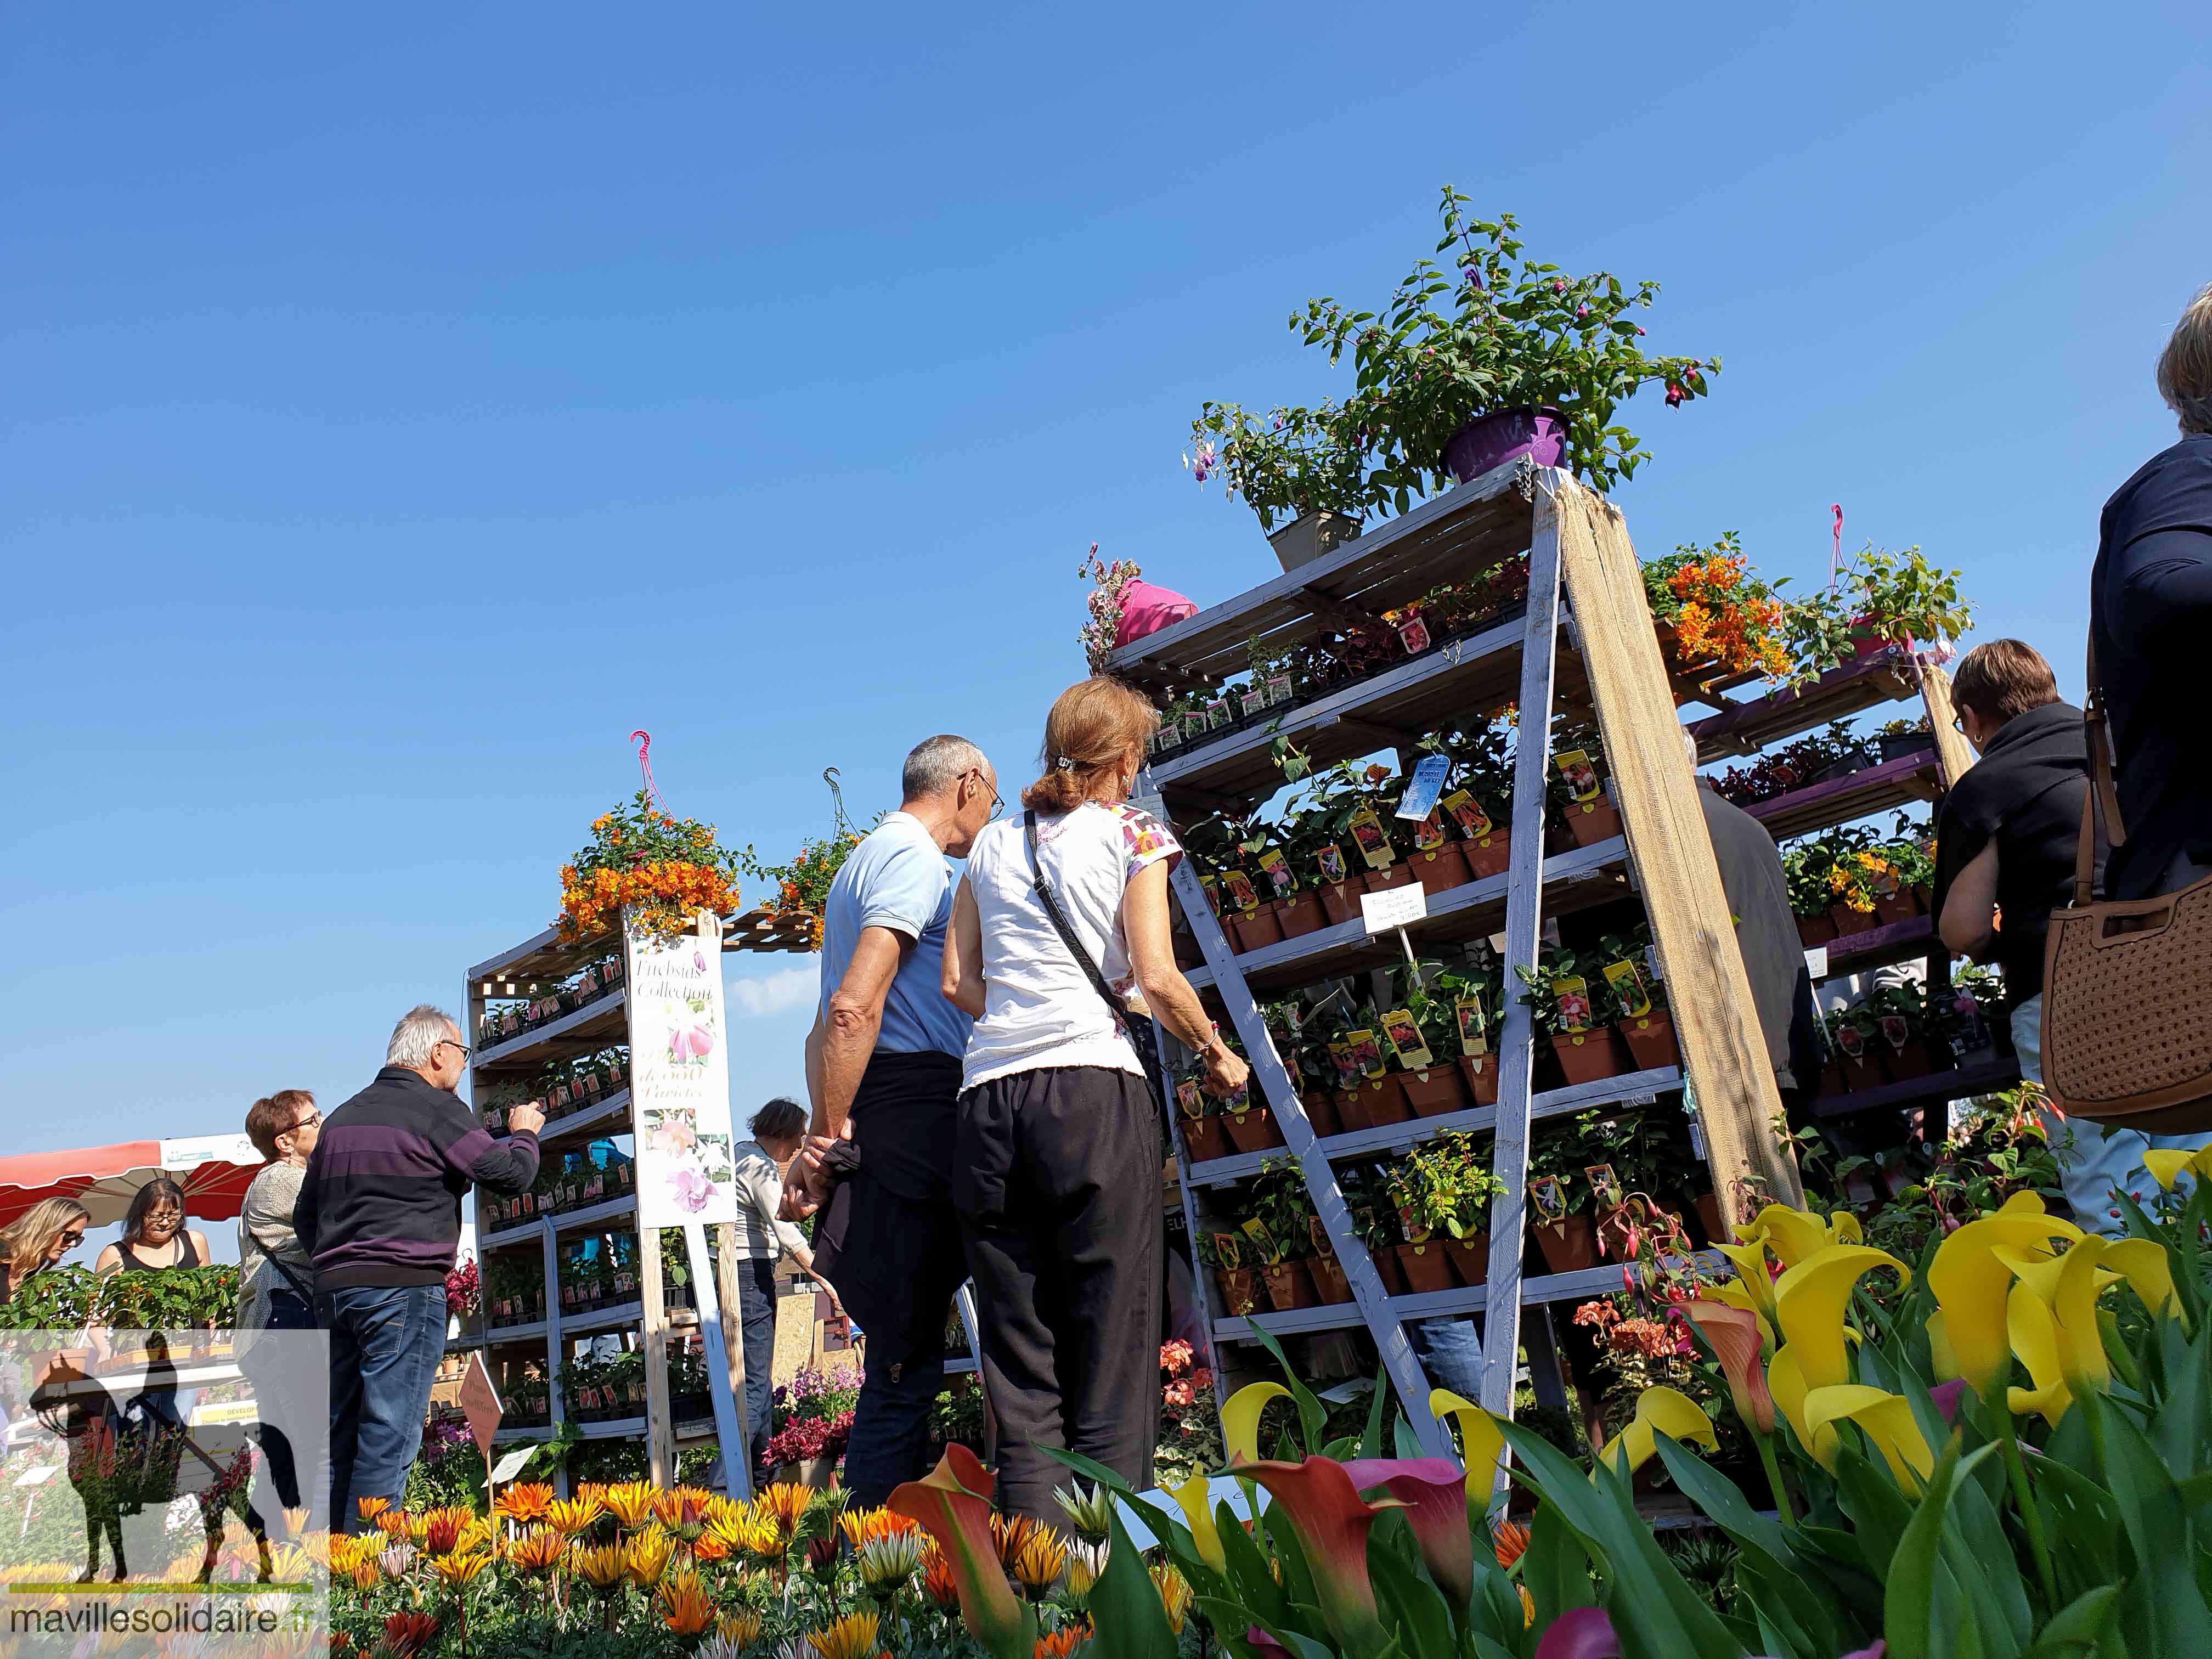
399, 405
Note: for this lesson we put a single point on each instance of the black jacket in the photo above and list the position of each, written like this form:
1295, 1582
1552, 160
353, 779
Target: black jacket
2026, 795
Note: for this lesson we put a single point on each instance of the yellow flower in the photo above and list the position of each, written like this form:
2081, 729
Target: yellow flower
1240, 1419
1528, 1606
2166, 1164
602, 1565
2035, 1337
1479, 1442
1175, 1593
2148, 1270
1037, 1564
853, 1637
1194, 1498
648, 1558
1888, 1421
570, 1516
460, 1568
1658, 1411
1810, 1300
1971, 1285
783, 1506
684, 1606
740, 1629
535, 1550
2069, 1285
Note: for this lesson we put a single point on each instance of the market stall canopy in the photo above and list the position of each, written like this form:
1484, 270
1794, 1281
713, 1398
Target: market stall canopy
215, 1171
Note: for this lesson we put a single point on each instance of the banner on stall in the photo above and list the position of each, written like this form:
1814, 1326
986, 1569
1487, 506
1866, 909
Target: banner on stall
679, 1078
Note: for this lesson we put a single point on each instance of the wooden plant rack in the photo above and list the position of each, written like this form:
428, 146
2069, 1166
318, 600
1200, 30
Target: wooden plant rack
1586, 642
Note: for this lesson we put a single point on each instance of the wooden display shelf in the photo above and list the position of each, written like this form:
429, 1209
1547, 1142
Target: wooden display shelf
1631, 1087
770, 931
1850, 689
589, 1121
1855, 795
1459, 533
1956, 1085
543, 960
1442, 1304
1462, 912
597, 1024
567, 1221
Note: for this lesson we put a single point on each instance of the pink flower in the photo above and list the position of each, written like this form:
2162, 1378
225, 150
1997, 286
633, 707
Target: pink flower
1177, 1393
1674, 395
1173, 1357
1201, 1378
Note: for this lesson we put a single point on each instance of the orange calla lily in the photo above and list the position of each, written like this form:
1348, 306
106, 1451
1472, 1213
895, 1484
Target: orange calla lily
1331, 1521
952, 1503
1734, 1335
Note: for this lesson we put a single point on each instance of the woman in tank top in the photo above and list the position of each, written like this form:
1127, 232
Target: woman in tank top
154, 1236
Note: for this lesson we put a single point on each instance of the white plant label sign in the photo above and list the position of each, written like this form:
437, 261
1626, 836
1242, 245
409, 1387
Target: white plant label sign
679, 1080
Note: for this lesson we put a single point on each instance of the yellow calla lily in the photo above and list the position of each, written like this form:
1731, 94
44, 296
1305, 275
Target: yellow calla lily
1792, 1235
1939, 1348
1810, 1300
1787, 1384
1888, 1421
1240, 1419
1194, 1498
2074, 1289
2148, 1270
2035, 1339
1753, 1278
1480, 1443
1658, 1411
1970, 1283
1736, 1296
2166, 1164
1843, 1228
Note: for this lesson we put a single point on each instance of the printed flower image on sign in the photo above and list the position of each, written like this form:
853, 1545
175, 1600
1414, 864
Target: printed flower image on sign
1276, 869
1331, 861
1279, 689
1187, 1097
1373, 840
1346, 1063
1573, 995
1238, 886
1549, 1197
1366, 1053
1406, 1039
1430, 834
1253, 701
1580, 777
1472, 1039
680, 1081
1468, 813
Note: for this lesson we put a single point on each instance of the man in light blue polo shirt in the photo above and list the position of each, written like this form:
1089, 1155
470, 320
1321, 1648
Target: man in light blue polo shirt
883, 1065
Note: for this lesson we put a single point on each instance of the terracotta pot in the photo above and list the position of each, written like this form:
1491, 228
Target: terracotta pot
1651, 1040
1351, 1110
1849, 921
1438, 1091
1330, 1286
1259, 929
1400, 874
1480, 1072
1441, 870
1865, 1072
1568, 1246
1391, 1272
1320, 1112
1909, 1061
1426, 1266
1252, 1130
1925, 897
1384, 1097
1471, 1257
1239, 1287
1288, 1286
1298, 914
1816, 930
1339, 900
1898, 906
1586, 1056
1488, 855
1591, 822
1708, 1206
1202, 1139
1831, 1084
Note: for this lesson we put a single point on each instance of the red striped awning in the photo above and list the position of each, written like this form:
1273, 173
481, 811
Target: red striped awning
215, 1171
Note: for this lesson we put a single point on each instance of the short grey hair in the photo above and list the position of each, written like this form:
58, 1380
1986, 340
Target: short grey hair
2185, 367
934, 765
418, 1034
1690, 742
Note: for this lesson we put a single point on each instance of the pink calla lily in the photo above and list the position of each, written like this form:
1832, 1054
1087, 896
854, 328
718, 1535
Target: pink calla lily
1434, 1493
1331, 1521
1580, 1633
952, 1503
1734, 1333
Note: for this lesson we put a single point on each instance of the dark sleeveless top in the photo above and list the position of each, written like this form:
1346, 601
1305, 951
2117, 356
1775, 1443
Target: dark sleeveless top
188, 1258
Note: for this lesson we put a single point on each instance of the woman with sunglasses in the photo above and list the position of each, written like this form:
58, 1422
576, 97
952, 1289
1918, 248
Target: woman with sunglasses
38, 1239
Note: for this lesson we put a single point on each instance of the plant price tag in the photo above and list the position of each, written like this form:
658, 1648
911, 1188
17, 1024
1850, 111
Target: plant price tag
1428, 782
1394, 907
511, 1465
1816, 962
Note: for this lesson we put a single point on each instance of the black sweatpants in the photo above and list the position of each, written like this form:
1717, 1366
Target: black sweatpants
1056, 1176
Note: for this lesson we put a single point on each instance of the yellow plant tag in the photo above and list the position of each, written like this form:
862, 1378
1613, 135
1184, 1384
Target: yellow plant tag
1226, 1246
1579, 776
1405, 1040
1238, 885
1365, 1051
1331, 861
1262, 1240
1549, 1197
1319, 1234
1373, 840
1468, 813
1276, 869
1429, 834
1472, 1039
1628, 985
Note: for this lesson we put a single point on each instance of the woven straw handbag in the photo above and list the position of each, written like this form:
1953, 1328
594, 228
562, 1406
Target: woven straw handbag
2127, 987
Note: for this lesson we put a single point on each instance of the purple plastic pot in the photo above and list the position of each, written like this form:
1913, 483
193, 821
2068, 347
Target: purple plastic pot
1492, 440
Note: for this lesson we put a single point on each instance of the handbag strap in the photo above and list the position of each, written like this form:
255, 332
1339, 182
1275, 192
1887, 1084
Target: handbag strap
1038, 886
2101, 800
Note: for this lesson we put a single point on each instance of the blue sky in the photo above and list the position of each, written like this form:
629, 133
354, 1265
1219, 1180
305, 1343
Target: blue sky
401, 406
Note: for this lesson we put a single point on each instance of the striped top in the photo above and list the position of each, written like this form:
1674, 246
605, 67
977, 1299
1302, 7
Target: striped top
380, 1203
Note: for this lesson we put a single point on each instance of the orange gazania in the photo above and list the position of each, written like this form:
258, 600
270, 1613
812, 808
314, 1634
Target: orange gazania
685, 1606
1509, 1541
1061, 1643
535, 1550
782, 1505
864, 1526
443, 1526
524, 1502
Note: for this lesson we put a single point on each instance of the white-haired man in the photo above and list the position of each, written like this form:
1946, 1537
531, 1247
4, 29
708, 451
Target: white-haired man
379, 1215
884, 1064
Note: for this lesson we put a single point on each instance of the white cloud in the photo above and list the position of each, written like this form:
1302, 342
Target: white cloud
775, 994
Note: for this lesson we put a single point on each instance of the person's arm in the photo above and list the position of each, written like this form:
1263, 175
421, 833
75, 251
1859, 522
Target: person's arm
855, 1016
109, 1261
759, 1187
961, 978
199, 1246
505, 1166
1969, 904
2164, 595
1167, 994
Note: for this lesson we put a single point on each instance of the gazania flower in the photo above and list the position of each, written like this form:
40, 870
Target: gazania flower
442, 1528
739, 1629
570, 1516
684, 1513
1175, 1593
394, 1561
602, 1566
647, 1557
853, 1637
1009, 1533
1509, 1540
524, 1502
750, 1534
631, 1502
394, 1523
1085, 1562
1091, 1508
1061, 1643
1038, 1566
939, 1581
460, 1568
684, 1606
370, 1508
783, 1506
535, 1550
889, 1560
860, 1526
406, 1634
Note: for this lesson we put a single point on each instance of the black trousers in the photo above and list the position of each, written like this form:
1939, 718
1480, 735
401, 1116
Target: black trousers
1057, 1180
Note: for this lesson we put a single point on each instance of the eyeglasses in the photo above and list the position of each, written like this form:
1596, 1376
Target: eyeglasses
306, 1122
998, 802
1959, 724
73, 1239
442, 1043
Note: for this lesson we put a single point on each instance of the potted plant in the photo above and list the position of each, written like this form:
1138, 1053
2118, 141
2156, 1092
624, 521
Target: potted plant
1225, 1255
1415, 1030
1573, 1005
1715, 621
1578, 789
1458, 1191
1277, 1223
1898, 597
1639, 998
1202, 1137
1330, 1284
1250, 1126
1420, 1254
1377, 1093
1900, 1019
1300, 465
1851, 1036
1476, 1011
1490, 356
1558, 1203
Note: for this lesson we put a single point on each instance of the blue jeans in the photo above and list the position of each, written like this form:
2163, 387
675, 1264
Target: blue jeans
1450, 1352
755, 1313
889, 1444
385, 1345
2095, 1161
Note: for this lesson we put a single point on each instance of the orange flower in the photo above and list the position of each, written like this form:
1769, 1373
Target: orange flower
1061, 1643
1509, 1541
524, 1502
863, 1526
535, 1550
442, 1528
370, 1508
685, 1606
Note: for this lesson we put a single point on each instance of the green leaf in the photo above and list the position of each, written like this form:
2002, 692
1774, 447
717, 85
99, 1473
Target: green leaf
2080, 1627
1555, 1567
1378, 1401
2167, 1612
1250, 1573
1911, 1621
1410, 1605
1128, 1621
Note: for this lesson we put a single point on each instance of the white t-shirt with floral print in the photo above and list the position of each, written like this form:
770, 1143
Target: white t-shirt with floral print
1040, 1008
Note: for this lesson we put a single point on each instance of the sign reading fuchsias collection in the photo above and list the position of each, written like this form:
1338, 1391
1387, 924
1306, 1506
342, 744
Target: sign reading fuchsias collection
679, 1078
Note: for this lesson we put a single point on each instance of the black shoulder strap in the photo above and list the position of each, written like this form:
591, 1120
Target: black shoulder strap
1060, 926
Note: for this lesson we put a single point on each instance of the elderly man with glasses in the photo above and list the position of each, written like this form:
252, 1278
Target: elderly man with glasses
379, 1216
883, 1068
